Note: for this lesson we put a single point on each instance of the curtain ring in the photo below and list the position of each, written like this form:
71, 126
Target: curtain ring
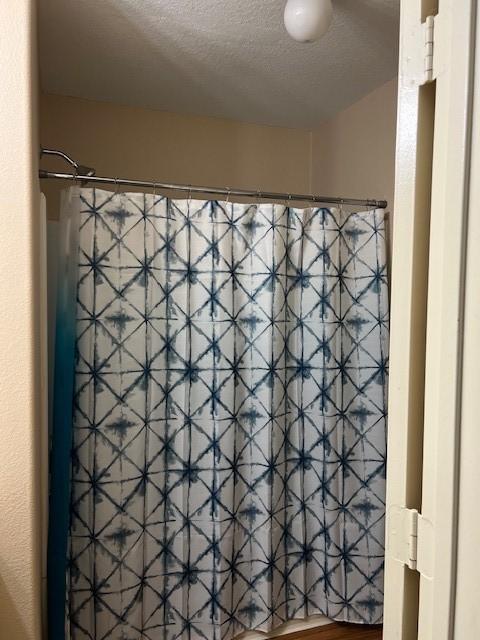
154, 195
115, 180
257, 203
229, 191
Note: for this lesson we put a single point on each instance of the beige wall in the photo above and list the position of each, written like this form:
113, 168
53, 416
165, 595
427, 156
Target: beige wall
353, 154
350, 155
20, 404
132, 142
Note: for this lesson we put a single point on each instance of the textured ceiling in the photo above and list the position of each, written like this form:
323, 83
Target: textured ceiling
225, 58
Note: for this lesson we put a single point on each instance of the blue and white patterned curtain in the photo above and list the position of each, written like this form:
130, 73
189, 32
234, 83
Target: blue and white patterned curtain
229, 428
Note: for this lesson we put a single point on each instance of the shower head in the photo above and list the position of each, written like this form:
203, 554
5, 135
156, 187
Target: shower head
82, 170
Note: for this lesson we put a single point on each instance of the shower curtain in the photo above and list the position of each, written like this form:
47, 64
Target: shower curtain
223, 465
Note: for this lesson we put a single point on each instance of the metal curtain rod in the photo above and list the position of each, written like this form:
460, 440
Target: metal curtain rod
84, 175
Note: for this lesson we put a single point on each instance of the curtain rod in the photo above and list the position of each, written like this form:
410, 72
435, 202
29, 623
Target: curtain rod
84, 175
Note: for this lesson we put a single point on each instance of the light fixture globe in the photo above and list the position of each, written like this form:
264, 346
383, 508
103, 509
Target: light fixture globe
308, 20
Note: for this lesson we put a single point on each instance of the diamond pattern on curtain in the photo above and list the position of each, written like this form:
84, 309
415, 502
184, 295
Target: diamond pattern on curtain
229, 440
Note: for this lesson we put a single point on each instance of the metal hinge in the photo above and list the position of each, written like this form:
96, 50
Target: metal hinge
410, 540
419, 61
429, 41
402, 539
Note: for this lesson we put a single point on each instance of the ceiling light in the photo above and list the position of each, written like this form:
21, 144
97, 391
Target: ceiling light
308, 20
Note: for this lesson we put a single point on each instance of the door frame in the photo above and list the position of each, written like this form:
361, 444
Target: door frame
431, 205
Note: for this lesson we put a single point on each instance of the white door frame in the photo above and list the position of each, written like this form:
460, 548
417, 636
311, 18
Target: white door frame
467, 584
427, 317
408, 319
437, 535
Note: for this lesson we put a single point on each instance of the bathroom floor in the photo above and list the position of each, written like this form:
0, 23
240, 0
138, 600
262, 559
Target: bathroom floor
339, 632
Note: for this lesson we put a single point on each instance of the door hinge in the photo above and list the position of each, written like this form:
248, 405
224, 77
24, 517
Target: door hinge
419, 59
429, 41
410, 540
402, 538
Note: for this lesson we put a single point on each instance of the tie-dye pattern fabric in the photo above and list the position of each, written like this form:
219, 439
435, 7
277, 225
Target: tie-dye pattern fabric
229, 436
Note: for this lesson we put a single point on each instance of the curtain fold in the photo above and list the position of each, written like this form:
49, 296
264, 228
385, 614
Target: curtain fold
229, 417
62, 425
